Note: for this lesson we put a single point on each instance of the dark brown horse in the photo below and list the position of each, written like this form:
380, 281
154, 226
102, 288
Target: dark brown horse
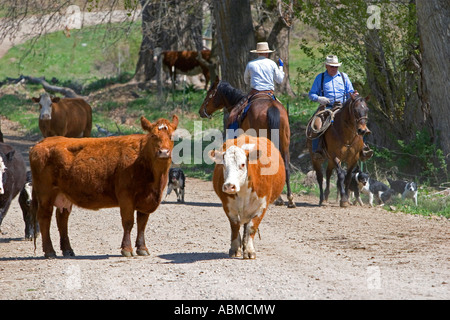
343, 142
265, 115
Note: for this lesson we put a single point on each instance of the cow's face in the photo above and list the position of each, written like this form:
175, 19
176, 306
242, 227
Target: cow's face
45, 106
235, 166
160, 136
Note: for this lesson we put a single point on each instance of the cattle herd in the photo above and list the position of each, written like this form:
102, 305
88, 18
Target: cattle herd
68, 168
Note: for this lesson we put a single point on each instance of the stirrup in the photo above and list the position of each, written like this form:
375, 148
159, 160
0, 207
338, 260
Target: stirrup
366, 153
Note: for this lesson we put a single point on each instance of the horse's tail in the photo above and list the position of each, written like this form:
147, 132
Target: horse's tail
273, 121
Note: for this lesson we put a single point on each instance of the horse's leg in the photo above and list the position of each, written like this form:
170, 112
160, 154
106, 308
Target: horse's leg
348, 178
341, 183
329, 171
290, 197
319, 175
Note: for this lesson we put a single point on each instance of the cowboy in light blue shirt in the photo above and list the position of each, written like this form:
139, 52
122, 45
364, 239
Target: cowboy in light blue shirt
329, 88
335, 88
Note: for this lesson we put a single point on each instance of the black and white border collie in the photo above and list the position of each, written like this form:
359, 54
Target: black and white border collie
408, 189
362, 183
177, 183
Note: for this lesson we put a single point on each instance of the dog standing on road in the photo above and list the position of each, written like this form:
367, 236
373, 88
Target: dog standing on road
177, 183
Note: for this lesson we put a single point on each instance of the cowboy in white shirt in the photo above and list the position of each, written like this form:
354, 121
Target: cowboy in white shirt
262, 72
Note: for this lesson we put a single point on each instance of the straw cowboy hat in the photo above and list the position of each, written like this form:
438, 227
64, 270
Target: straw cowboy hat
262, 47
332, 61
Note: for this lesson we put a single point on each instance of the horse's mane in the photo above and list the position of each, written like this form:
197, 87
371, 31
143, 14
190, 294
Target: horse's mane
233, 95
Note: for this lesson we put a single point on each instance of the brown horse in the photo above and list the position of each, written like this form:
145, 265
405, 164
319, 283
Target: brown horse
343, 142
265, 115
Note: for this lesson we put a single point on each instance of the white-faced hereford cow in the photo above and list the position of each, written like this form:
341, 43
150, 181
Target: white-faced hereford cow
186, 62
68, 117
248, 176
12, 177
129, 172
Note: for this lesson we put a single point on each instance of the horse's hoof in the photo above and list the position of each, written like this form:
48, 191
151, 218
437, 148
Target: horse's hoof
291, 205
50, 255
68, 253
126, 253
143, 252
344, 204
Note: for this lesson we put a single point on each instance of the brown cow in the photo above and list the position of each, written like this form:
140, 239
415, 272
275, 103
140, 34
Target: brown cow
186, 62
69, 117
249, 175
129, 172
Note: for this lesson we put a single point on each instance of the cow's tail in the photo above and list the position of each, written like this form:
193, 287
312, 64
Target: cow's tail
273, 122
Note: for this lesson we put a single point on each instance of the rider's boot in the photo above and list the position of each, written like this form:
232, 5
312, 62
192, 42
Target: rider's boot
366, 153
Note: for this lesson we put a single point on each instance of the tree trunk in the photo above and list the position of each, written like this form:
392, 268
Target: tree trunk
279, 41
235, 39
433, 22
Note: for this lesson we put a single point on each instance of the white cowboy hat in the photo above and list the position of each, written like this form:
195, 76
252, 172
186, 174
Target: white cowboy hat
332, 61
262, 47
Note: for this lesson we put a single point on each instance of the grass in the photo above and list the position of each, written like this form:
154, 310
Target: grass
87, 55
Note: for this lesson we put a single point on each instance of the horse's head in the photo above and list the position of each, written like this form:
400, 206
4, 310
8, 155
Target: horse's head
209, 105
360, 113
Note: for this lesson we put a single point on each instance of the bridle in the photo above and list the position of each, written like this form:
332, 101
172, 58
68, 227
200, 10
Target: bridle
211, 95
351, 108
209, 116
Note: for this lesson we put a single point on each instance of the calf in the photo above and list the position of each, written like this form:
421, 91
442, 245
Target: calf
70, 117
176, 183
25, 205
12, 177
129, 172
248, 176
186, 62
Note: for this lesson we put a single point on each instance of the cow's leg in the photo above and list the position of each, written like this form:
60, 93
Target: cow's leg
44, 217
62, 219
141, 248
250, 230
235, 249
127, 214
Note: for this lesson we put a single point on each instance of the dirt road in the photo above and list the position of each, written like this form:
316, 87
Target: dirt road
304, 253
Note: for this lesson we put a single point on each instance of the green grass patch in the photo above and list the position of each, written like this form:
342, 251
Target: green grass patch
88, 55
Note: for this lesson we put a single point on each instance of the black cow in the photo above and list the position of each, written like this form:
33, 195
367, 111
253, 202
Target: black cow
13, 175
